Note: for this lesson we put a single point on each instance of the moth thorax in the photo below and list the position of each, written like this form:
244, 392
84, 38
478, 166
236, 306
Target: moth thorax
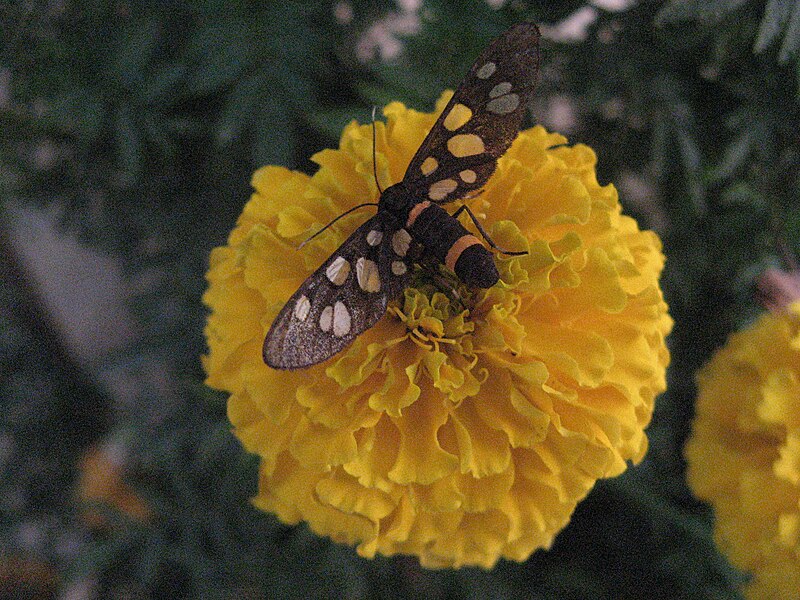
396, 200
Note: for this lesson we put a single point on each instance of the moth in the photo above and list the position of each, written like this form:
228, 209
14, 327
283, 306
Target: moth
350, 292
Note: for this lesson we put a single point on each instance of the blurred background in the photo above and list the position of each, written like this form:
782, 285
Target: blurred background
128, 134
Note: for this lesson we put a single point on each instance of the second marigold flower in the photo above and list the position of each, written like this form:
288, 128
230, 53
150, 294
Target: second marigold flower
463, 427
744, 453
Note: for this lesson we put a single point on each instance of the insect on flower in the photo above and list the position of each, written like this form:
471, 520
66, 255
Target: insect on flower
350, 292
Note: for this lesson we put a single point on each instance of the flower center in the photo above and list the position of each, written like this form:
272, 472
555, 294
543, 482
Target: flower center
435, 313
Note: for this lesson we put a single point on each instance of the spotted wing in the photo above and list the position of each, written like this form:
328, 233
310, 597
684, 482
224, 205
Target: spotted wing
481, 120
347, 295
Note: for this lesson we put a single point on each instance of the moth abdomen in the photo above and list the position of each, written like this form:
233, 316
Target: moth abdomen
475, 266
447, 240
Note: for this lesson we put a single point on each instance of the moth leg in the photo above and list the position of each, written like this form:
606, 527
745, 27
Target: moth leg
465, 208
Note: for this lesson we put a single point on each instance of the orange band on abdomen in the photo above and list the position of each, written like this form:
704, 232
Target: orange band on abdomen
415, 212
462, 243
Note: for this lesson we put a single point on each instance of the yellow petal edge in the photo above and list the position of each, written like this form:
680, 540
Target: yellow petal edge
457, 430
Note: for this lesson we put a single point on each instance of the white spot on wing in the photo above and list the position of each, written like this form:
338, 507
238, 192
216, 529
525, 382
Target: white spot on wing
341, 320
326, 319
367, 274
374, 237
500, 89
401, 240
440, 189
503, 105
338, 271
486, 70
302, 308
399, 267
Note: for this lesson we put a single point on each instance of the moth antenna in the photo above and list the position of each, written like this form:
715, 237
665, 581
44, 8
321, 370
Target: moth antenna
374, 152
344, 214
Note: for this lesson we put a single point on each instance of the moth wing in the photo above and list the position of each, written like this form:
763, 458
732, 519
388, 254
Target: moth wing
345, 296
480, 121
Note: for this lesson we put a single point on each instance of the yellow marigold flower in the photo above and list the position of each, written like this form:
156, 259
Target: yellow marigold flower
460, 431
744, 452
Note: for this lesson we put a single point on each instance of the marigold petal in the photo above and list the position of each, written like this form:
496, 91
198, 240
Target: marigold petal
345, 494
315, 445
421, 459
583, 356
266, 438
440, 496
575, 201
478, 540
483, 451
270, 278
480, 494
788, 465
398, 393
521, 421
377, 456
271, 185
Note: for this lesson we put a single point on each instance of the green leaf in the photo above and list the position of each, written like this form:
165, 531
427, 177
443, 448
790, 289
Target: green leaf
134, 51
791, 40
692, 163
736, 154
162, 83
78, 111
275, 142
776, 14
217, 54
129, 146
240, 105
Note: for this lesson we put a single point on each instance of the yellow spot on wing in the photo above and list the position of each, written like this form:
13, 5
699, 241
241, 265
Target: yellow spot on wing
302, 308
429, 165
457, 117
465, 144
468, 176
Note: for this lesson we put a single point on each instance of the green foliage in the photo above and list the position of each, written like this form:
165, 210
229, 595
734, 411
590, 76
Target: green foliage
780, 18
143, 121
